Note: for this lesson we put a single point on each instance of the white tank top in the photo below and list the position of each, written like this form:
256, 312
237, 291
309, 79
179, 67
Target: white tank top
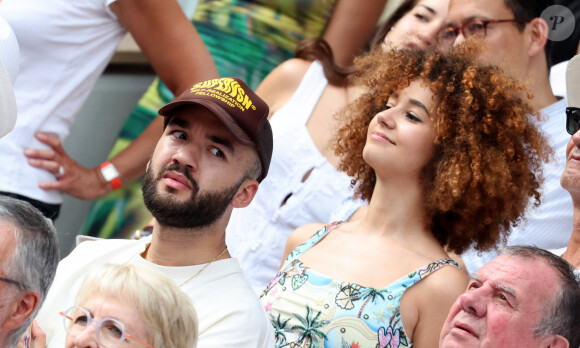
257, 234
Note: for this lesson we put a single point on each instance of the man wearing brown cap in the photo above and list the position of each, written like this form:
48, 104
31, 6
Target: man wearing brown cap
214, 151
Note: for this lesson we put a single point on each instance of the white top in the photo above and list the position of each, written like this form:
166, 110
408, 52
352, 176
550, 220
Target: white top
257, 234
64, 47
548, 226
229, 313
558, 78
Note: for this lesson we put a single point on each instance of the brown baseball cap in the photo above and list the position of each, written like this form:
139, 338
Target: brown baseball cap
238, 107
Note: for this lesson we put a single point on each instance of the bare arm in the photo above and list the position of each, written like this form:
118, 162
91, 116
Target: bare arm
178, 55
168, 40
445, 285
88, 183
351, 26
299, 236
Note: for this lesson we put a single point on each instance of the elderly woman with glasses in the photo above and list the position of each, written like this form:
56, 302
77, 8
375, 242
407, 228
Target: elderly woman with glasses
128, 306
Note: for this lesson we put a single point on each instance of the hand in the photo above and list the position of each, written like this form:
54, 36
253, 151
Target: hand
38, 337
71, 178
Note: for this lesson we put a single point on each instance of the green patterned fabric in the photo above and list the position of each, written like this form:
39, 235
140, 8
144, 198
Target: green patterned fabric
246, 40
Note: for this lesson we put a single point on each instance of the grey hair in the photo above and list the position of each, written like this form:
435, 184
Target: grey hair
35, 257
561, 313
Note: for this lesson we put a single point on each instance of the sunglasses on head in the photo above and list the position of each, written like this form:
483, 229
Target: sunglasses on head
572, 119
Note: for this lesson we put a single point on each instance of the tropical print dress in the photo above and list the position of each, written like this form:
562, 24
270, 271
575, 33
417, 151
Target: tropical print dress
310, 309
246, 39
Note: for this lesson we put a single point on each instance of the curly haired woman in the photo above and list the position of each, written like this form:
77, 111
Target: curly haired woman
448, 155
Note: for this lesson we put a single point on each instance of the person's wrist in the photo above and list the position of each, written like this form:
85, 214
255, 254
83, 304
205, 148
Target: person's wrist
110, 175
103, 187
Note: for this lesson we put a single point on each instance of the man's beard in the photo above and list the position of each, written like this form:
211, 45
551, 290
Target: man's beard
201, 210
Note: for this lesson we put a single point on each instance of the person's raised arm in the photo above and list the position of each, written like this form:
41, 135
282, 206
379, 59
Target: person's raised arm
351, 26
168, 40
180, 58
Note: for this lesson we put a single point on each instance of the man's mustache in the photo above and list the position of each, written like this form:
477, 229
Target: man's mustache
176, 167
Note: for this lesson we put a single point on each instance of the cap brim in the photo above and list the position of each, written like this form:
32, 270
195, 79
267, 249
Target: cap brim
572, 85
7, 103
170, 109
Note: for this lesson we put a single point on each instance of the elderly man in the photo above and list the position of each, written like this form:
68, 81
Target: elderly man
215, 149
570, 179
526, 297
28, 259
514, 37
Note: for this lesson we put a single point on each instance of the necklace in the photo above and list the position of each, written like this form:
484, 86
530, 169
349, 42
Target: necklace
204, 267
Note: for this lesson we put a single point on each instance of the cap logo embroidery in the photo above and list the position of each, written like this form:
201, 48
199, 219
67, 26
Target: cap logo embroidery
227, 90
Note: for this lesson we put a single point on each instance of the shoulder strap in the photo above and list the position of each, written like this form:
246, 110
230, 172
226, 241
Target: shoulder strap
424, 271
313, 240
308, 93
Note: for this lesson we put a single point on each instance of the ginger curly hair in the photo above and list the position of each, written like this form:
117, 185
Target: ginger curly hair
489, 154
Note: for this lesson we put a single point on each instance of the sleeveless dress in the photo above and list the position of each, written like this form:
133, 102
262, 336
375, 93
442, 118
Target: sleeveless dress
310, 309
246, 39
256, 235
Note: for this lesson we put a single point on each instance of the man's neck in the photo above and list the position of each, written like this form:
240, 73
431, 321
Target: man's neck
572, 254
186, 247
538, 82
543, 95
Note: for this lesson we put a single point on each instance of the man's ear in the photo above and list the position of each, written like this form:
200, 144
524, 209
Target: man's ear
554, 341
538, 30
21, 309
245, 193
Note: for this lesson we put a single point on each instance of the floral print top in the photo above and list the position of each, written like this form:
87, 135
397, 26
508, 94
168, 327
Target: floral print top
309, 309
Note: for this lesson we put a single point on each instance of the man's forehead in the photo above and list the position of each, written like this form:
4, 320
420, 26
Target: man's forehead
461, 11
523, 275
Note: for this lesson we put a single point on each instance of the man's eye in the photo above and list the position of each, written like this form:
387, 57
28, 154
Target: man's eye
178, 134
475, 28
472, 286
503, 298
448, 33
217, 152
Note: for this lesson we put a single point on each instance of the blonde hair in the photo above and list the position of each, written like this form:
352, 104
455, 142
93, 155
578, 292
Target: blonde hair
167, 312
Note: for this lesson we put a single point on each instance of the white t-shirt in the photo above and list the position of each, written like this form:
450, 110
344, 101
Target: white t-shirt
229, 313
548, 226
64, 47
558, 78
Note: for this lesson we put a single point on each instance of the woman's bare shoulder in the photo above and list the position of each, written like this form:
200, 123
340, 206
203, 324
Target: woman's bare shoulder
281, 83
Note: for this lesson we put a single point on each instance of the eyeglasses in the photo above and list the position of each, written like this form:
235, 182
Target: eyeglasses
110, 332
10, 281
572, 120
473, 27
